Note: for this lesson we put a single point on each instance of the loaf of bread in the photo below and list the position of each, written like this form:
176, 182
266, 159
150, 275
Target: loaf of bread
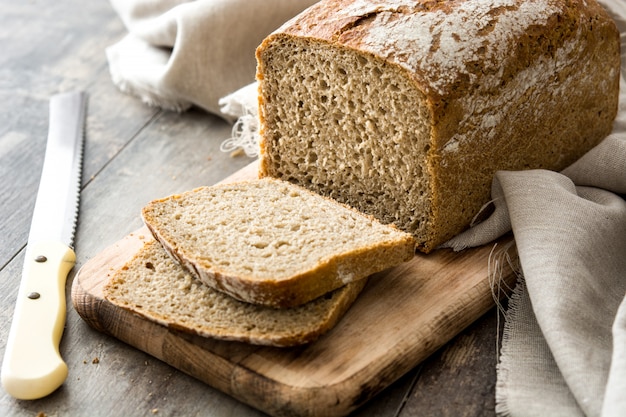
156, 287
272, 243
405, 109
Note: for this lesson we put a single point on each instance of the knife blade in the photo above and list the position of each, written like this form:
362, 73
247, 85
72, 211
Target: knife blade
32, 366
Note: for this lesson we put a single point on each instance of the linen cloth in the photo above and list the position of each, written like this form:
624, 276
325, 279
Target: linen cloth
564, 343
180, 53
571, 239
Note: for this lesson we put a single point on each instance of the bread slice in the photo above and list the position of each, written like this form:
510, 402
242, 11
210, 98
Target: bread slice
273, 243
156, 287
406, 109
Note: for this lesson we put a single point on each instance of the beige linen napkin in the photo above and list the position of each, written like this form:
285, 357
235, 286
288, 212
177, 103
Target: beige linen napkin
571, 239
182, 53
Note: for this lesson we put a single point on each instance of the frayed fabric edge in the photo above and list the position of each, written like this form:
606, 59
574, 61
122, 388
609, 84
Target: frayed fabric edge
149, 98
500, 258
130, 85
502, 368
242, 105
245, 136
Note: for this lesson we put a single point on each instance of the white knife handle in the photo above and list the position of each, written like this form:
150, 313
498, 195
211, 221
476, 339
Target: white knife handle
32, 367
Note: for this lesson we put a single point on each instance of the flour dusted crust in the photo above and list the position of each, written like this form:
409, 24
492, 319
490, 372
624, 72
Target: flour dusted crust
485, 85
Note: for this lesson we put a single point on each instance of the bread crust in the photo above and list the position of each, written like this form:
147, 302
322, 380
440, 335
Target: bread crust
287, 291
157, 288
393, 31
509, 85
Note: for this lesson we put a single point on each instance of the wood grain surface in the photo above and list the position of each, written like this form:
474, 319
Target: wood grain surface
403, 315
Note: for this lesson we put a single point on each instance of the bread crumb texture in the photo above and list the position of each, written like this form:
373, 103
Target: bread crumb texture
156, 286
271, 242
406, 109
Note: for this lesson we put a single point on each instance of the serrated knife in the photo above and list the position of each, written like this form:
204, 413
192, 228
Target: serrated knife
32, 366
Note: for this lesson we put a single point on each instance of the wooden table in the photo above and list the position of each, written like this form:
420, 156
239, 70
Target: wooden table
133, 154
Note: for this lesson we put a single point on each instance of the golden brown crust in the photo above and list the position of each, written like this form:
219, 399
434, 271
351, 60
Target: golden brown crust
281, 292
520, 84
298, 289
366, 27
156, 288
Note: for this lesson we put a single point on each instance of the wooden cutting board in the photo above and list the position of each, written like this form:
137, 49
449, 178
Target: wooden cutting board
402, 316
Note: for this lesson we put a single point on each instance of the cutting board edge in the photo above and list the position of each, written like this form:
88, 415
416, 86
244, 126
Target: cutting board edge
235, 378
235, 375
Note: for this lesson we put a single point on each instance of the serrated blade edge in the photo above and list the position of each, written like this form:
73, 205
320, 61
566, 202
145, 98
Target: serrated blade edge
56, 207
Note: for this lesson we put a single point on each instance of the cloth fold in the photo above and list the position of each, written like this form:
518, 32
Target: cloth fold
564, 343
182, 53
563, 331
571, 242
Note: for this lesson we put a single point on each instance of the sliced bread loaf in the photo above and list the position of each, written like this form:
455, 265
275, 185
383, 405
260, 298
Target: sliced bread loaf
273, 243
155, 286
405, 109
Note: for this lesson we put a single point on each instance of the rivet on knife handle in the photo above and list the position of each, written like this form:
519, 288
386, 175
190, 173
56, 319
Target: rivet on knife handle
32, 366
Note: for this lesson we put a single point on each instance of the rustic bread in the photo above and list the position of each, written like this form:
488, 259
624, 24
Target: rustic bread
405, 109
273, 243
155, 286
